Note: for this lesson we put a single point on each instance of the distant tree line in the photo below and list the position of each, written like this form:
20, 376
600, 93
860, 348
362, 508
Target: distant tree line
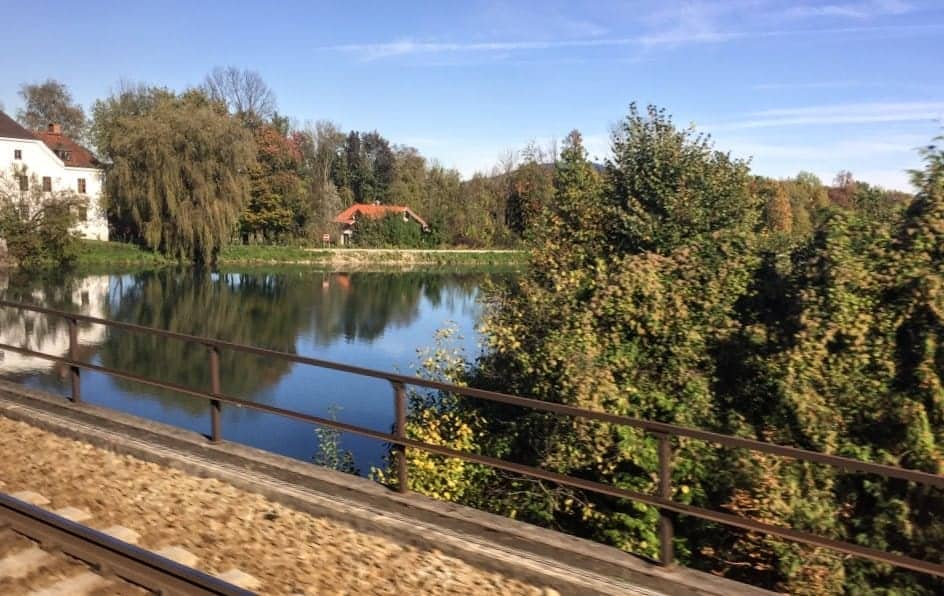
190, 171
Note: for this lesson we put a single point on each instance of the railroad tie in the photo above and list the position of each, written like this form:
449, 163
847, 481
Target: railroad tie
74, 514
239, 578
33, 498
80, 584
24, 562
122, 533
179, 554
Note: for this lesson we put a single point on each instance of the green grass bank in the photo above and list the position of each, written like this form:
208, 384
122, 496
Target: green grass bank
96, 253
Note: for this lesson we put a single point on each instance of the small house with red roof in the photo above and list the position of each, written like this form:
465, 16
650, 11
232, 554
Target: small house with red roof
56, 163
349, 217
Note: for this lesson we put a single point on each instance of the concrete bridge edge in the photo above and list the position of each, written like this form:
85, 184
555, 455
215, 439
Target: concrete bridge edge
530, 553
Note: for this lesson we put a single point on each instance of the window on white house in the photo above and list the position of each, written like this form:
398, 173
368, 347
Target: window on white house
24, 183
47, 184
81, 186
80, 212
17, 154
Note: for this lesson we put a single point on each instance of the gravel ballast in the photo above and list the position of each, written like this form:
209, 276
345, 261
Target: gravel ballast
289, 551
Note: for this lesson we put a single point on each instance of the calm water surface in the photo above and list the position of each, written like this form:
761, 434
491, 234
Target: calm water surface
376, 320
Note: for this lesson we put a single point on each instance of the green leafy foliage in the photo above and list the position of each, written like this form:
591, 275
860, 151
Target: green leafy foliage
392, 231
37, 226
530, 190
276, 207
177, 180
445, 419
674, 289
330, 453
51, 102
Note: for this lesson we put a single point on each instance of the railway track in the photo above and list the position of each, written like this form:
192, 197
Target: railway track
43, 553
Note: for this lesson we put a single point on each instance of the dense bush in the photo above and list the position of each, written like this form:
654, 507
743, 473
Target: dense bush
673, 288
392, 231
37, 226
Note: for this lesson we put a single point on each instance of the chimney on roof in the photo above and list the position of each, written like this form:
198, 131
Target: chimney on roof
54, 128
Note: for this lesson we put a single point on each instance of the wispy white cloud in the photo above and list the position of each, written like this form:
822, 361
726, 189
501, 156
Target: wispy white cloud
867, 108
546, 20
853, 10
858, 148
851, 113
373, 51
845, 84
685, 36
690, 22
814, 85
672, 37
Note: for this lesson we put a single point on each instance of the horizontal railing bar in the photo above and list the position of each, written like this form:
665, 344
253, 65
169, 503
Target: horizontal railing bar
208, 395
837, 461
540, 474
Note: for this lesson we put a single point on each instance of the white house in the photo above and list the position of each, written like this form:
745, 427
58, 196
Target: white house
56, 162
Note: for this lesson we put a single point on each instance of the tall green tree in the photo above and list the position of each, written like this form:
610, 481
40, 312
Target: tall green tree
778, 211
277, 206
177, 178
573, 222
530, 187
381, 162
321, 148
624, 319
51, 102
671, 187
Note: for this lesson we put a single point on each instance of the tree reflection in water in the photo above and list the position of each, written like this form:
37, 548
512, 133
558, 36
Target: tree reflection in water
271, 309
373, 319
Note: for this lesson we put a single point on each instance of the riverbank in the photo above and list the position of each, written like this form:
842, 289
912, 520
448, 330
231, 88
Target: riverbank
95, 253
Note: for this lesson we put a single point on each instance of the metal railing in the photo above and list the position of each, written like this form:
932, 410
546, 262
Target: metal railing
398, 439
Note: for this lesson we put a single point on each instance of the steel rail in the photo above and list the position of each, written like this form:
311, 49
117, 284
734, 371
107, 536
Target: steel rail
662, 501
110, 555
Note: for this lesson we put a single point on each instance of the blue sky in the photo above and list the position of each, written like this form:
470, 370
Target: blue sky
818, 86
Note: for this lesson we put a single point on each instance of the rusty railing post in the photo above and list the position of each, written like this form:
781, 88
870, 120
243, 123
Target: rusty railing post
215, 405
75, 373
666, 528
399, 431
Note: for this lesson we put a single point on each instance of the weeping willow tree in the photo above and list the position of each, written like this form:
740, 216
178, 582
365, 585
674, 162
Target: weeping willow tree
178, 175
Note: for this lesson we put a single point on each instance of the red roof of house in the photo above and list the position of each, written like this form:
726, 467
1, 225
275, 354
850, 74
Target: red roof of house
374, 212
11, 129
64, 147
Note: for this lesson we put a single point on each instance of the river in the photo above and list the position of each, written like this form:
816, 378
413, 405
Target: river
371, 319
